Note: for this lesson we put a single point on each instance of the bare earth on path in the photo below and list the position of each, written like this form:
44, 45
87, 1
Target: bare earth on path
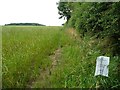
46, 73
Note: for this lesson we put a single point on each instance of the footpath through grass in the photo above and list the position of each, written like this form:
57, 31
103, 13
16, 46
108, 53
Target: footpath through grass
28, 52
25, 52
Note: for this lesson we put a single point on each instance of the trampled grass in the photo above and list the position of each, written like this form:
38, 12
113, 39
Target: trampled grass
26, 51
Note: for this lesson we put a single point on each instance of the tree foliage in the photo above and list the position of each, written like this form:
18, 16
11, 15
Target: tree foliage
31, 24
99, 19
65, 10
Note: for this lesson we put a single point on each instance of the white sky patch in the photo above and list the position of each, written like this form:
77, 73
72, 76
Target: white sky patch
30, 11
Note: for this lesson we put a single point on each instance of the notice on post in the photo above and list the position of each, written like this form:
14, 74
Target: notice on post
102, 63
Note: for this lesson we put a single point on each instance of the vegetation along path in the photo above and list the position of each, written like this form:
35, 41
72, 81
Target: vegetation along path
50, 57
45, 74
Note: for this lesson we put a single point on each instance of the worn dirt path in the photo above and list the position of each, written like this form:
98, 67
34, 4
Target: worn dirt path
42, 80
45, 74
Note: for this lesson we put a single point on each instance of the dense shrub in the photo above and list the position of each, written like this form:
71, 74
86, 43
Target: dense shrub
99, 19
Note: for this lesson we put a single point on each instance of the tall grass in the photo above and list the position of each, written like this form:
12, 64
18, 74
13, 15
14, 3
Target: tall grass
77, 67
26, 52
0, 57
79, 61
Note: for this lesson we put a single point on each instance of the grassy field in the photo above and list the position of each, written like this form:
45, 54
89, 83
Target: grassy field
52, 57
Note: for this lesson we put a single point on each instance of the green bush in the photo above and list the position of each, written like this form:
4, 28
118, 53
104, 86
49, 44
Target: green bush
99, 19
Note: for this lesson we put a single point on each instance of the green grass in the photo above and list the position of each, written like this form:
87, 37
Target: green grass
78, 68
26, 50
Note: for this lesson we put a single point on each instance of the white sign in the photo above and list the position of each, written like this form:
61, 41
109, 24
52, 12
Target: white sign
102, 66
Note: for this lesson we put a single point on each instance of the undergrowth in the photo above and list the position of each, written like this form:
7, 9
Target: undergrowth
26, 51
77, 66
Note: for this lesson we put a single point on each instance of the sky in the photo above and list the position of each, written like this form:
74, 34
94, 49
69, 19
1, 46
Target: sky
30, 11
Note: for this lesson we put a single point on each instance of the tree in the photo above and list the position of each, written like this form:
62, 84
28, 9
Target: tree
65, 10
99, 19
